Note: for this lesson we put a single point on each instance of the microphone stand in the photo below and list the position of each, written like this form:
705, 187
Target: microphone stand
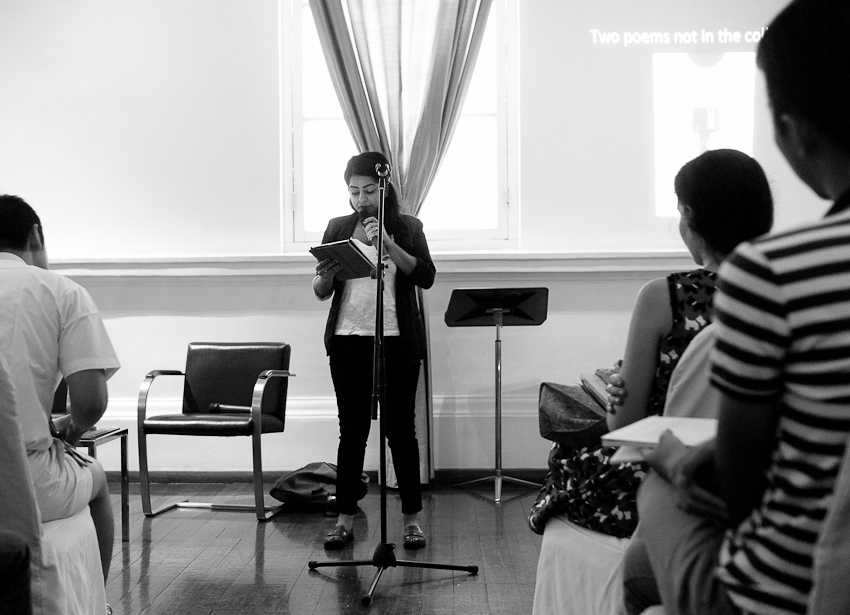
384, 555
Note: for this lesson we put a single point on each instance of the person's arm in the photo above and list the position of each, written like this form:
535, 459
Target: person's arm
746, 438
732, 466
690, 471
651, 319
749, 359
415, 262
88, 394
404, 261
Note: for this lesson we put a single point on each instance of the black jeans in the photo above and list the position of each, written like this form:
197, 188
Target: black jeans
351, 371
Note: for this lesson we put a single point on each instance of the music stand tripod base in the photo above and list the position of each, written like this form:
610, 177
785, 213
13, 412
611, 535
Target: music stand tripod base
498, 479
499, 307
383, 558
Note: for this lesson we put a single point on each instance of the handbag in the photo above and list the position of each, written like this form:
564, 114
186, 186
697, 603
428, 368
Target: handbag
582, 484
312, 487
569, 416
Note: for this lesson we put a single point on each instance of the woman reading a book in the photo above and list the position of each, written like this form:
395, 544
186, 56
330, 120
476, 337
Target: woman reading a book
724, 198
349, 341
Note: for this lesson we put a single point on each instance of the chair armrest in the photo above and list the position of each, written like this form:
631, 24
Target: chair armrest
276, 373
163, 372
259, 389
145, 388
262, 381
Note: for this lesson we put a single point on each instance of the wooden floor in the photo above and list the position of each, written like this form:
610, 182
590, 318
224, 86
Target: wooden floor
196, 562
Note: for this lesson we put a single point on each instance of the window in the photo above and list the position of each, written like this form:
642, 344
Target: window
474, 172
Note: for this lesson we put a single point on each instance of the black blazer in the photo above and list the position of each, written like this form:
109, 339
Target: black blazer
412, 240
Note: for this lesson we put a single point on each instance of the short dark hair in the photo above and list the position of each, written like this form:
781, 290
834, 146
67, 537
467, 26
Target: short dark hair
16, 222
729, 196
805, 57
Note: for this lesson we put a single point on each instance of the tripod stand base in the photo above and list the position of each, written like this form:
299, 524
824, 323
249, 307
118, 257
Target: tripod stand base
383, 558
498, 479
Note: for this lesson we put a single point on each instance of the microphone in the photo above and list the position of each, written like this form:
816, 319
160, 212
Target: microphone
383, 170
364, 213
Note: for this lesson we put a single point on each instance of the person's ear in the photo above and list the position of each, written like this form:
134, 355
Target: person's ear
36, 239
798, 133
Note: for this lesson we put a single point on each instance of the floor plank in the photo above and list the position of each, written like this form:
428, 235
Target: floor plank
198, 562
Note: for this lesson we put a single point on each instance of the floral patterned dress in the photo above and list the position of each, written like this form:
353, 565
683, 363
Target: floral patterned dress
581, 483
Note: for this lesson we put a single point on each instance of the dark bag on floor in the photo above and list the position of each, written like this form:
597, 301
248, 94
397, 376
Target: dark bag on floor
312, 487
569, 416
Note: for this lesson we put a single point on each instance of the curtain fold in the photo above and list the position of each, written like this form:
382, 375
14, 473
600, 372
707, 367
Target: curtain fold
332, 28
401, 70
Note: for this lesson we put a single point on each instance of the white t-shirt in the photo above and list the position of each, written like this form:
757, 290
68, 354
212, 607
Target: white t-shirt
49, 328
357, 308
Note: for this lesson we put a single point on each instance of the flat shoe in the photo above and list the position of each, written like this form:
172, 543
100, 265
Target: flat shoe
338, 537
414, 537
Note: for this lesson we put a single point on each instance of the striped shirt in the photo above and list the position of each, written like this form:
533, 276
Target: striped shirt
783, 334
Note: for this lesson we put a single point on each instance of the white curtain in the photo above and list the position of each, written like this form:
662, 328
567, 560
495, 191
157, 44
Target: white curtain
401, 69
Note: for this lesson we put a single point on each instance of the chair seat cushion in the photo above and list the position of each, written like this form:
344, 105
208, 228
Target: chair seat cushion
218, 424
579, 568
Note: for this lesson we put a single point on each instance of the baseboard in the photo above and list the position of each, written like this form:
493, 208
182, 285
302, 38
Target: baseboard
441, 476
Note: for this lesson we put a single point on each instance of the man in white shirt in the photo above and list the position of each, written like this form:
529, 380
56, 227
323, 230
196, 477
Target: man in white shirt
50, 328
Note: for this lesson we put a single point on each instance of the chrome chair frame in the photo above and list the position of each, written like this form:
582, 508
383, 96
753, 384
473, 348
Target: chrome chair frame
263, 512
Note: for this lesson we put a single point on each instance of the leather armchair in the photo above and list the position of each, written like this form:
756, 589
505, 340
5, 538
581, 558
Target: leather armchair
229, 389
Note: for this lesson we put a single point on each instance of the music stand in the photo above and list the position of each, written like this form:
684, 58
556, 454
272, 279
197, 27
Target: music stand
502, 307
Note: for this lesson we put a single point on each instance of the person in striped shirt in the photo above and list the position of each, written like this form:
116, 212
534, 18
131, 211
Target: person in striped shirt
732, 527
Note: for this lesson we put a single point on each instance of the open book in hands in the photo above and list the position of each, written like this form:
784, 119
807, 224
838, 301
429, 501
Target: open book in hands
646, 432
355, 264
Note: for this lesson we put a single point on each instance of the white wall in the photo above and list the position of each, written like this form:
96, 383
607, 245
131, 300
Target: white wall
154, 128
146, 128
154, 309
136, 126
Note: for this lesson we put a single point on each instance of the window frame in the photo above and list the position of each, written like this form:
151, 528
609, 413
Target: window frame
294, 238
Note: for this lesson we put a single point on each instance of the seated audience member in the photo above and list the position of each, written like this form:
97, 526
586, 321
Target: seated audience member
579, 569
732, 527
689, 392
50, 328
724, 198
